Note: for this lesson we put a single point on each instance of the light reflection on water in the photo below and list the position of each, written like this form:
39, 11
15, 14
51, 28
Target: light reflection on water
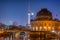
25, 39
20, 36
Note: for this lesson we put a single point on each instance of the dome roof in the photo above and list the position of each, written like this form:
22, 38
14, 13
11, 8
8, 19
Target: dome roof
44, 11
44, 14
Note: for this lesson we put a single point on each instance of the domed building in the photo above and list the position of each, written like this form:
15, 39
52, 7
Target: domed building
44, 14
44, 22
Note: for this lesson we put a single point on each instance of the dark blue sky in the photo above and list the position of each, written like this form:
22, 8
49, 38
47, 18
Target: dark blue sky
17, 10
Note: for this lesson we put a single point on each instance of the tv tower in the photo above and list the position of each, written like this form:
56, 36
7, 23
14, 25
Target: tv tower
29, 12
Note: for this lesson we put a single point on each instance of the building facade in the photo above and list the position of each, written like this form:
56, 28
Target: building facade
44, 22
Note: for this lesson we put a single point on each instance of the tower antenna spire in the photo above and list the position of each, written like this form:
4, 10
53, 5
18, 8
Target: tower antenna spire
28, 6
28, 12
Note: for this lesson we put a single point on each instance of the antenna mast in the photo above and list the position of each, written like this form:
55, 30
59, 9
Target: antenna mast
28, 12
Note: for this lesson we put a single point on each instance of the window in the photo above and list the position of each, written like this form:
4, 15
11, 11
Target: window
45, 28
49, 28
40, 28
36, 28
33, 28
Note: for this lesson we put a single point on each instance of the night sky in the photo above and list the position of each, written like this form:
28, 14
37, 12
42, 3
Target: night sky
17, 10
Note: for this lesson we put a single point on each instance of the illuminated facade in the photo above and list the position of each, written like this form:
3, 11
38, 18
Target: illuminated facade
43, 22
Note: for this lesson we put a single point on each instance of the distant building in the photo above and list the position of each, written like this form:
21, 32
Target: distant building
15, 24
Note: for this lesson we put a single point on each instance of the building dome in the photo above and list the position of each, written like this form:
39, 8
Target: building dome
44, 14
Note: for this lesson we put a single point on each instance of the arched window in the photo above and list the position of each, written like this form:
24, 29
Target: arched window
33, 28
45, 28
49, 28
36, 28
53, 28
40, 28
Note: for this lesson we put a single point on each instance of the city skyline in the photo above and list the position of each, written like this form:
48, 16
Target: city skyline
17, 10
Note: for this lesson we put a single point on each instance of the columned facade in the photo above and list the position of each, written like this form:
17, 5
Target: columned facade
43, 24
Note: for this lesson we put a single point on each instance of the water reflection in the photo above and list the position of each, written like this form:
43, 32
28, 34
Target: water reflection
18, 36
26, 36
